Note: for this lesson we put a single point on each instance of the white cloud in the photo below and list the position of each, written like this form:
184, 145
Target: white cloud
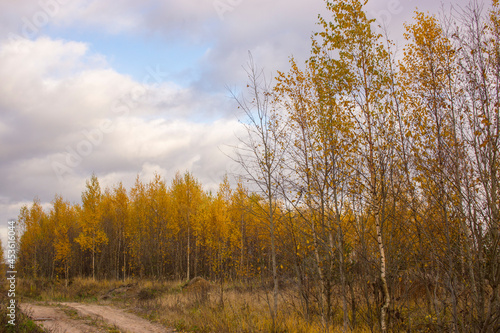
52, 123
56, 95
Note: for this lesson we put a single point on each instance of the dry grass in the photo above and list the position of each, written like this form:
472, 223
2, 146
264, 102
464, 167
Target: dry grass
199, 306
80, 289
23, 324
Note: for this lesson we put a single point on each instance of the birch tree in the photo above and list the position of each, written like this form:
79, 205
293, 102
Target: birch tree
261, 157
92, 237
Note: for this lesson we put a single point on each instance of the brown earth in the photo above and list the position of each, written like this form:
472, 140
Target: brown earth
56, 320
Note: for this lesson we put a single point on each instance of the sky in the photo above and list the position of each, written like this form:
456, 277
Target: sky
138, 87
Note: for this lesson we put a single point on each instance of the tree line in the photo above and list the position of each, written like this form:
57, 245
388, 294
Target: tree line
154, 230
372, 185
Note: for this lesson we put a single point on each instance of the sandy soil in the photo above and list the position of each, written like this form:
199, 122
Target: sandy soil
54, 318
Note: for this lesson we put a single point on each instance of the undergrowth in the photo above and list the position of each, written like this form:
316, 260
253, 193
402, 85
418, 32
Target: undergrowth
201, 306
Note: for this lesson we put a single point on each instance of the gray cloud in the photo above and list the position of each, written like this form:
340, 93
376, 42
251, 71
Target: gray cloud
60, 124
59, 102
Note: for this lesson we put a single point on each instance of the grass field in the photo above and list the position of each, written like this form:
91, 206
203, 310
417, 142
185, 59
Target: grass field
198, 306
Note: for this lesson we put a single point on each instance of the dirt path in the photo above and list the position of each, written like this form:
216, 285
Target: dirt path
55, 319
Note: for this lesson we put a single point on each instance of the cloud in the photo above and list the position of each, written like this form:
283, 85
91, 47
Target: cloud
272, 30
64, 115
28, 18
65, 112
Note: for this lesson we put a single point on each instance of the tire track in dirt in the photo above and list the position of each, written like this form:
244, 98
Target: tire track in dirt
55, 319
125, 321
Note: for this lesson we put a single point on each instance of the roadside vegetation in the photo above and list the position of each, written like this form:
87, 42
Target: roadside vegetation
22, 322
195, 306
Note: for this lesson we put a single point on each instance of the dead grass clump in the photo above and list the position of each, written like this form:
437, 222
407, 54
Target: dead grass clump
198, 290
86, 288
147, 294
34, 288
121, 291
196, 284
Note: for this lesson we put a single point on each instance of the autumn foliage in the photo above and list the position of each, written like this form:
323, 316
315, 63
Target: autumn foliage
373, 187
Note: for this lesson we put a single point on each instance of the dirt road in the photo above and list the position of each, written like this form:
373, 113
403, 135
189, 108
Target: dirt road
91, 318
